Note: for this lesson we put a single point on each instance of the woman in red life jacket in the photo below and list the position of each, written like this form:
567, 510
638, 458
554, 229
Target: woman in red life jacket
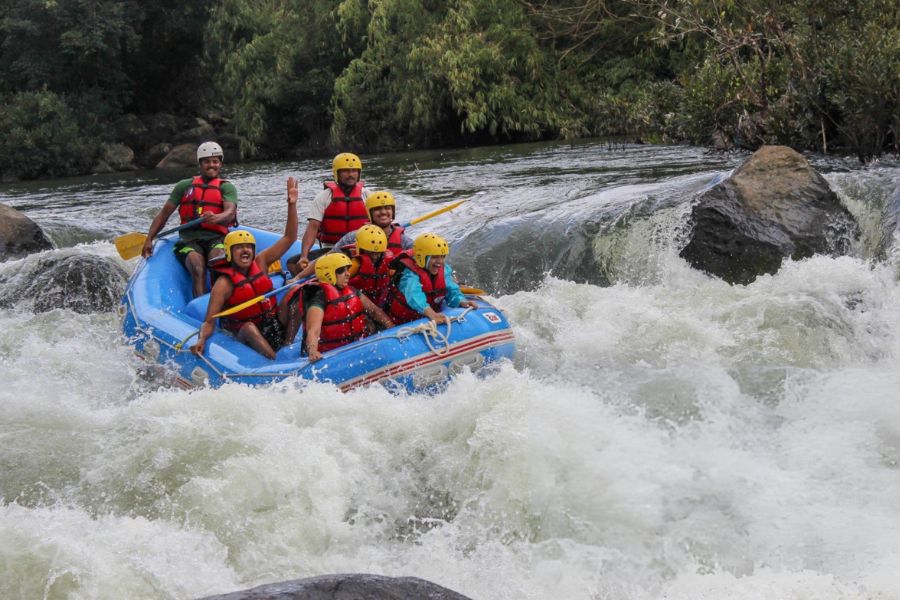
264, 326
335, 311
371, 271
423, 282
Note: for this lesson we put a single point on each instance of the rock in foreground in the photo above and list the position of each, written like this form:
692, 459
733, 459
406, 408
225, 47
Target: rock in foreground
346, 587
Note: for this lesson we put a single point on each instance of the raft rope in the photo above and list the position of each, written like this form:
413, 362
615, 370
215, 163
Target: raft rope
428, 329
431, 333
180, 345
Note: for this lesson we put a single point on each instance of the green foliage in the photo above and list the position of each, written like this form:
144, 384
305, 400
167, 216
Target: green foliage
68, 46
812, 73
861, 79
295, 76
277, 62
81, 64
469, 70
165, 67
40, 137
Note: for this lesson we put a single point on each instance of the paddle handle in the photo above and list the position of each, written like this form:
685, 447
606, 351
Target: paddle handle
187, 225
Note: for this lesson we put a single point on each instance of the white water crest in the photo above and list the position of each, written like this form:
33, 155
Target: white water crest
665, 436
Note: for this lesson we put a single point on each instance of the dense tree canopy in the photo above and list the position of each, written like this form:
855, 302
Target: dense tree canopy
291, 77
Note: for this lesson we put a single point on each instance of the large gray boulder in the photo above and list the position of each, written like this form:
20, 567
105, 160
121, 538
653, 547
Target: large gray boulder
114, 157
84, 283
19, 235
774, 206
179, 157
346, 587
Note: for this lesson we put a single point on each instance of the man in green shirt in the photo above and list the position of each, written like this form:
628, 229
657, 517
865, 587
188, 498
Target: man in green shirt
205, 196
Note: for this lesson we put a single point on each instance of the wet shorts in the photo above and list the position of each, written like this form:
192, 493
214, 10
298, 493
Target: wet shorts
274, 332
204, 247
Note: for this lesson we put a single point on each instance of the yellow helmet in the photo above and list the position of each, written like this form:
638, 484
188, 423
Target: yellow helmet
381, 198
238, 237
328, 264
429, 244
345, 160
371, 238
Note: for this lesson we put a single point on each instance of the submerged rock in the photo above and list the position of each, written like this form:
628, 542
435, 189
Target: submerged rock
890, 223
346, 587
774, 206
84, 283
19, 235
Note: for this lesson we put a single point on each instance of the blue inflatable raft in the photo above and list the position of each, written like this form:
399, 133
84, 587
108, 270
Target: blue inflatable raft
159, 317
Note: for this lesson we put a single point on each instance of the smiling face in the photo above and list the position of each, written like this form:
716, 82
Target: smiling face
435, 264
210, 166
242, 255
348, 177
382, 216
342, 277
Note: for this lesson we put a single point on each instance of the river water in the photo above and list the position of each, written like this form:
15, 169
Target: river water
661, 433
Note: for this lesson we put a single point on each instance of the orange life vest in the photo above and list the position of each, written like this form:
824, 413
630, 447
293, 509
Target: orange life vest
435, 288
345, 213
371, 279
200, 197
344, 320
395, 240
246, 287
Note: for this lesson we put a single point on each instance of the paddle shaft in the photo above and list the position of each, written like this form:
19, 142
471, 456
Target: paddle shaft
252, 301
130, 244
187, 225
433, 213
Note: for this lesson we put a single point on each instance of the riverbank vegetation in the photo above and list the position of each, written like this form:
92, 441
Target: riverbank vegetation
285, 78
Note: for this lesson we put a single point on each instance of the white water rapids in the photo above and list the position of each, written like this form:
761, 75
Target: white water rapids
668, 436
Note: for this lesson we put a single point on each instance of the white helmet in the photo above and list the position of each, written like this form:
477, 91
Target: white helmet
207, 149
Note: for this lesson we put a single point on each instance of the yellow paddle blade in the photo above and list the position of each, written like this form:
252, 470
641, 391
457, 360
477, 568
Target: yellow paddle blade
436, 212
472, 291
130, 244
275, 267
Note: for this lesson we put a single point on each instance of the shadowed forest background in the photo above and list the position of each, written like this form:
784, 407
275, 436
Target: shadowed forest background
290, 78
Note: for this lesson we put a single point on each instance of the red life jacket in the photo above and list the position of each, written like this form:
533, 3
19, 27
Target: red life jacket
200, 197
344, 320
395, 240
374, 281
345, 213
435, 289
246, 287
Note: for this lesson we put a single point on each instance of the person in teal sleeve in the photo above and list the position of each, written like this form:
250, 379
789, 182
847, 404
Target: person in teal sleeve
423, 281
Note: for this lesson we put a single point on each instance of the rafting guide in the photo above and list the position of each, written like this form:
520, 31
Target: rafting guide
207, 201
